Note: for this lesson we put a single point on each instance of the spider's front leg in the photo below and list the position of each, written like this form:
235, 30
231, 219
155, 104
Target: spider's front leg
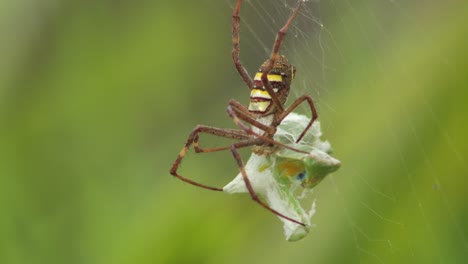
245, 140
236, 109
238, 116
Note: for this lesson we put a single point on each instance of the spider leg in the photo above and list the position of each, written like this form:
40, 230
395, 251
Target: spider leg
231, 133
249, 131
274, 56
235, 46
296, 103
244, 114
254, 196
283, 30
246, 141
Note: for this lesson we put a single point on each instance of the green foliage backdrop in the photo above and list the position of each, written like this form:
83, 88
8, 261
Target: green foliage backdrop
97, 98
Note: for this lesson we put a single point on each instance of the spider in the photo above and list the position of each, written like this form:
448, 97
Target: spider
268, 93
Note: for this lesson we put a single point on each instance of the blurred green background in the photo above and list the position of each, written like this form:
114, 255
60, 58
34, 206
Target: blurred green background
97, 99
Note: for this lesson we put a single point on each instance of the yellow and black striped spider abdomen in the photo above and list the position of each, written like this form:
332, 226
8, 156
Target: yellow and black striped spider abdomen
279, 77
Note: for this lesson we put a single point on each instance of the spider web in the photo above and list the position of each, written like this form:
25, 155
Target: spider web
88, 90
365, 65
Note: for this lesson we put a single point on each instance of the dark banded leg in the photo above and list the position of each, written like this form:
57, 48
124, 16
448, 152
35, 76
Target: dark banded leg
296, 103
249, 131
274, 56
244, 114
227, 133
283, 30
246, 141
235, 46
249, 187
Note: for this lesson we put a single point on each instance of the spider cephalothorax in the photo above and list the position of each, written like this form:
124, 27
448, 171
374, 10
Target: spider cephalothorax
257, 122
279, 77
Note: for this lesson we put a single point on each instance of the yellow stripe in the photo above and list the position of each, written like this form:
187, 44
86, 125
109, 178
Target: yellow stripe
259, 106
271, 77
260, 93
